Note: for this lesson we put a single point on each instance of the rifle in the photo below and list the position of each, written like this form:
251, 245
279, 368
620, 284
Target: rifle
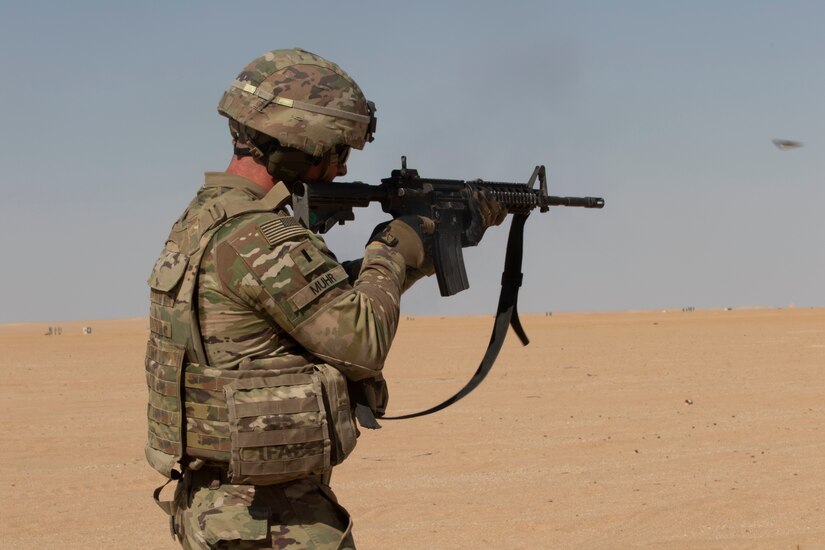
458, 223
449, 203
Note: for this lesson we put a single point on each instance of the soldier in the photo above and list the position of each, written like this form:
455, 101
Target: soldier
262, 344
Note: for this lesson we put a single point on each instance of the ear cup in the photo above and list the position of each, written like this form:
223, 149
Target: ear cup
287, 164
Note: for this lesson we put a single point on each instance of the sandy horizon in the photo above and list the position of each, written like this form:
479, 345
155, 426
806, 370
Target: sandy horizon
81, 322
643, 429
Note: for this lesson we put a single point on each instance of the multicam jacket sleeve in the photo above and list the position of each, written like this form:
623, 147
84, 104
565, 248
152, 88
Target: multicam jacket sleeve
289, 275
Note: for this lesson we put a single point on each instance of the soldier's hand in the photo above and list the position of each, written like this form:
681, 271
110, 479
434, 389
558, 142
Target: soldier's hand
492, 213
410, 236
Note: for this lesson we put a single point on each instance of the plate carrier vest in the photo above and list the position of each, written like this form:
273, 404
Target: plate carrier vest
271, 420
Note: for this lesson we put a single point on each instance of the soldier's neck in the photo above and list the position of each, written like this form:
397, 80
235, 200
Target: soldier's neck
249, 168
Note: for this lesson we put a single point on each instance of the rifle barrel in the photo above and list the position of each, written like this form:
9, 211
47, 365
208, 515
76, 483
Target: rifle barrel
521, 198
583, 202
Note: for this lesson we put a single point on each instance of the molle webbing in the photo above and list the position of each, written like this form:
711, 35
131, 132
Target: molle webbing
174, 333
273, 419
295, 439
270, 414
163, 369
271, 426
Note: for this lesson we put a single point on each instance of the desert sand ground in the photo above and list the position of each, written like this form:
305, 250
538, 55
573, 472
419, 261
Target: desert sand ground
701, 429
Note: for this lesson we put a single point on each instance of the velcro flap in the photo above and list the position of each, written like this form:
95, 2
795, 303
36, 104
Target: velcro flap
234, 523
168, 270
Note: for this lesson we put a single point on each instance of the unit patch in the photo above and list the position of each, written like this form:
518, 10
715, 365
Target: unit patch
316, 287
278, 230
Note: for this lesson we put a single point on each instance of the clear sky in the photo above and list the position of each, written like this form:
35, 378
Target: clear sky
667, 110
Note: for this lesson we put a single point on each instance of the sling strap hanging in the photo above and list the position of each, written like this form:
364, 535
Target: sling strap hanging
506, 316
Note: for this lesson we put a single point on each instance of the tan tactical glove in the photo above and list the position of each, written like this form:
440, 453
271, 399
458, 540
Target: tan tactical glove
491, 212
410, 236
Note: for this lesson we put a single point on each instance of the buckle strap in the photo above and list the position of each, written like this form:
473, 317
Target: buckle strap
168, 506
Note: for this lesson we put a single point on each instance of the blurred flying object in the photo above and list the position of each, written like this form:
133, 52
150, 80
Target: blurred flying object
787, 144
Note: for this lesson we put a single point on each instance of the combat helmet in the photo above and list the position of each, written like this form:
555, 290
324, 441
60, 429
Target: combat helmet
300, 99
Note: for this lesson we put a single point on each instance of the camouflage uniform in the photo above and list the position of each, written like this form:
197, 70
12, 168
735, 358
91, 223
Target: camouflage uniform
299, 514
258, 335
270, 292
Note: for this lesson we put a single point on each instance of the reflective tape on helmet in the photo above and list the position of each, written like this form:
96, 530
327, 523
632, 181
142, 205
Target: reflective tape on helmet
295, 104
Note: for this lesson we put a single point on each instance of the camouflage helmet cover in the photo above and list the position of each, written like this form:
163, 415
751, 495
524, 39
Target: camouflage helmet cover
302, 100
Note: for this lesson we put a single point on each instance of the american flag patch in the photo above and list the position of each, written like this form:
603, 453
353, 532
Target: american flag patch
278, 230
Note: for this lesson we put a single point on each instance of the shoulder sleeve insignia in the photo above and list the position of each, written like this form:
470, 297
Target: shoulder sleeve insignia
278, 230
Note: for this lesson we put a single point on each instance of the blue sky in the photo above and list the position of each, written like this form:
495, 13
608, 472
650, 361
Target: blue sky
667, 110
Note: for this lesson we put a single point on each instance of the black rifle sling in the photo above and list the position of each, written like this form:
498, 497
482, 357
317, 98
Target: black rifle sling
506, 316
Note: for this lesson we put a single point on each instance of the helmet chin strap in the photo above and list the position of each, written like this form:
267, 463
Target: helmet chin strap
243, 141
